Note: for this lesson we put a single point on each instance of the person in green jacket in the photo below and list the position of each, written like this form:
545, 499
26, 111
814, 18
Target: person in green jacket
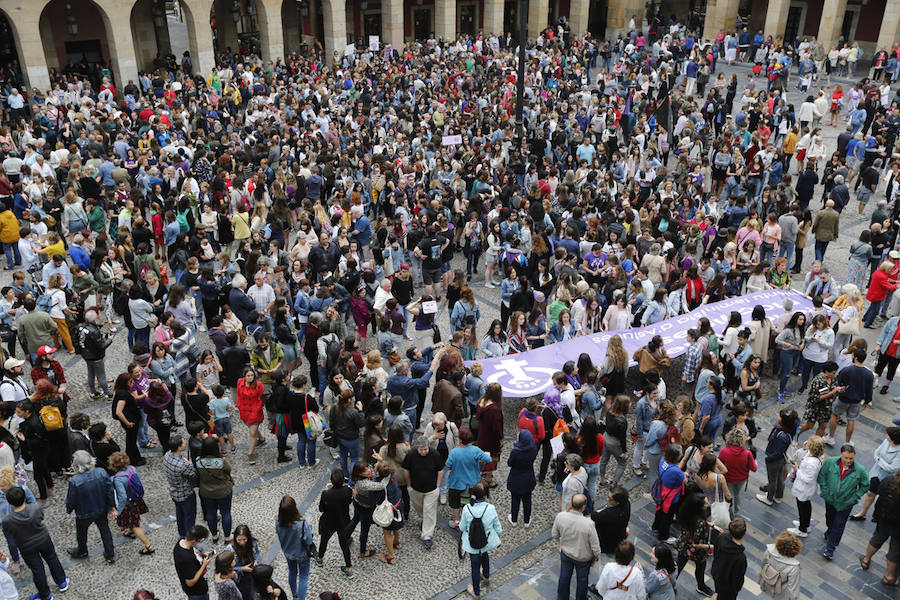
842, 483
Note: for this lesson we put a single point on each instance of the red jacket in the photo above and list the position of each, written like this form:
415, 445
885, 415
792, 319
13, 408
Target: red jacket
739, 462
533, 424
880, 286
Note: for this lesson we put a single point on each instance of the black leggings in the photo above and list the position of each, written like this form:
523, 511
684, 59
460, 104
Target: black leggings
885, 360
804, 508
41, 469
699, 569
546, 455
325, 533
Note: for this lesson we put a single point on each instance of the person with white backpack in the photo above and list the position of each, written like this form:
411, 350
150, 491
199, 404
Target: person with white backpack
779, 574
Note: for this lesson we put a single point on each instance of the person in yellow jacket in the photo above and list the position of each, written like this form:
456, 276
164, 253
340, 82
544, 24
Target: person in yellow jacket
9, 237
789, 147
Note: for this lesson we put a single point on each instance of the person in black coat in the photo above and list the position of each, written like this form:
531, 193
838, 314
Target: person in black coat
334, 505
235, 358
729, 561
78, 438
611, 521
521, 481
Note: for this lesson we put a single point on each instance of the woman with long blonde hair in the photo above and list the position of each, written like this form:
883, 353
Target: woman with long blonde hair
614, 367
849, 306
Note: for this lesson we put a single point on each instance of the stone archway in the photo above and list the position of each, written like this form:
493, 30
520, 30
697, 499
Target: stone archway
75, 38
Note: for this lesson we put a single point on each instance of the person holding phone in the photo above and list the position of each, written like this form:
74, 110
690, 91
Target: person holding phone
191, 564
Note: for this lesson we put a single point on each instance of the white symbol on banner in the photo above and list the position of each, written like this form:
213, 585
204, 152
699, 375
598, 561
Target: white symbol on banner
517, 375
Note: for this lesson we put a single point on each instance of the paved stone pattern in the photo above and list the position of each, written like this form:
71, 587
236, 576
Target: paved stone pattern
417, 573
842, 578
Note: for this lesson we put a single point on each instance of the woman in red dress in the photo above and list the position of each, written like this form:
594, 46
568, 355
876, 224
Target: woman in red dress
250, 406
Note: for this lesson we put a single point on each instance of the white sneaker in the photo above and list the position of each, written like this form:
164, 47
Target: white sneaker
443, 499
527, 524
796, 523
511, 522
201, 328
797, 532
829, 440
764, 499
489, 285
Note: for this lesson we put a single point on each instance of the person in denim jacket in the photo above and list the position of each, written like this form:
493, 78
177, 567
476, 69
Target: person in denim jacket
91, 498
296, 538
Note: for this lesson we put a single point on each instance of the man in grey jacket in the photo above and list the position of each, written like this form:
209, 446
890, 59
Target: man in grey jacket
789, 225
579, 547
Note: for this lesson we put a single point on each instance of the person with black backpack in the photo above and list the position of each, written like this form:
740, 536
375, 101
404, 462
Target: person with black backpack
480, 528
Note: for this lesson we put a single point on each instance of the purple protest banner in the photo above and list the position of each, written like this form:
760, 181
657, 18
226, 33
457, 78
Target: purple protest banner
529, 373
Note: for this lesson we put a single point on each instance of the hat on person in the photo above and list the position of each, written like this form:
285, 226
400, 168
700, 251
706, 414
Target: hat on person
12, 363
894, 254
45, 350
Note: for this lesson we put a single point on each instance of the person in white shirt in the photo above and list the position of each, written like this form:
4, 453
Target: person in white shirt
624, 578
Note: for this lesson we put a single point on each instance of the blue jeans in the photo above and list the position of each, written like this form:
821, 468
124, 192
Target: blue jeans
363, 516
766, 254
593, 471
323, 378
186, 514
872, 312
198, 597
821, 247
787, 365
480, 562
835, 520
143, 431
306, 449
786, 250
12, 254
298, 577
212, 506
809, 369
13, 549
566, 567
349, 451
35, 561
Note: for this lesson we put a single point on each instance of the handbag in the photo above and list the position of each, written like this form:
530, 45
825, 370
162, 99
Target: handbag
312, 422
850, 327
384, 513
720, 515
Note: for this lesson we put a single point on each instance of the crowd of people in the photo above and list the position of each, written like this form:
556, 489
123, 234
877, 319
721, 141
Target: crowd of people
312, 223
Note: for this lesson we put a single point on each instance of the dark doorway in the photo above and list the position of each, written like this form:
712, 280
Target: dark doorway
468, 14
88, 51
793, 26
597, 18
422, 29
371, 26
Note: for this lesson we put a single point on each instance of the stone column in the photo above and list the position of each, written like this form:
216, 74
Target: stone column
578, 17
117, 17
445, 19
392, 15
720, 16
493, 16
831, 21
889, 34
537, 17
271, 32
24, 18
776, 18
200, 39
335, 19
